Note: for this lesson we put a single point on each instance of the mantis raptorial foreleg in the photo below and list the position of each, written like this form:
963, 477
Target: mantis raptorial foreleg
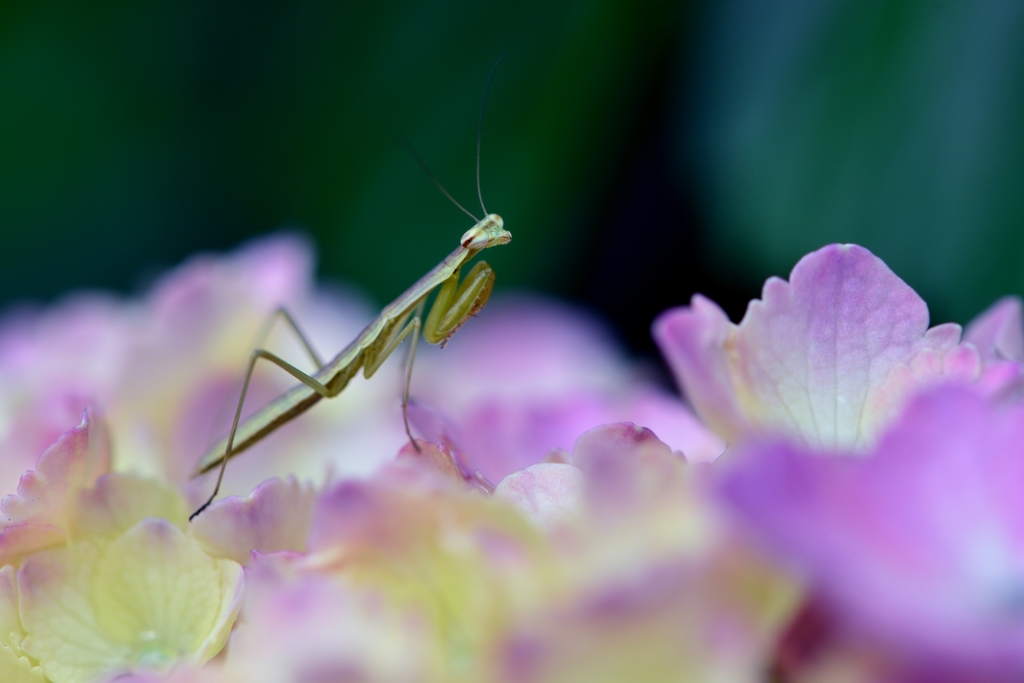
454, 306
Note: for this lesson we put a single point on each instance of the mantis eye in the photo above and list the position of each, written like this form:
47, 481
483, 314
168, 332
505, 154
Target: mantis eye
475, 238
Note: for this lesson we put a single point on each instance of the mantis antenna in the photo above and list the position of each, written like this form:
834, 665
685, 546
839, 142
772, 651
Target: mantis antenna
480, 130
419, 160
479, 139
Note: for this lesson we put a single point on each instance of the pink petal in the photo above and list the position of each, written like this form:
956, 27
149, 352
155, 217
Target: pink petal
675, 424
663, 622
620, 461
302, 626
693, 340
999, 331
920, 546
36, 516
275, 516
270, 271
54, 363
621, 442
829, 356
545, 493
499, 436
522, 348
527, 379
435, 459
354, 513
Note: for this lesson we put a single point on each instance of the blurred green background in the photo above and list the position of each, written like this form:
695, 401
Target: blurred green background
638, 151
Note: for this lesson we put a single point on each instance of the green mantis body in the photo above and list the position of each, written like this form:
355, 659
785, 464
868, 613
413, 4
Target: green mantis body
454, 305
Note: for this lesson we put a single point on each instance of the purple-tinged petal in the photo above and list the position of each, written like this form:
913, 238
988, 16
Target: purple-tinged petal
675, 424
523, 348
197, 327
384, 512
54, 363
828, 357
642, 501
34, 424
620, 442
435, 459
530, 376
1001, 378
668, 622
621, 463
999, 331
498, 436
18, 540
36, 517
920, 547
546, 493
308, 627
462, 563
275, 516
694, 340
187, 301
180, 674
350, 513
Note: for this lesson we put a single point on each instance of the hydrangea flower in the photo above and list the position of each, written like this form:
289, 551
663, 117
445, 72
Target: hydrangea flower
656, 588
415, 574
915, 549
534, 535
829, 357
101, 575
106, 578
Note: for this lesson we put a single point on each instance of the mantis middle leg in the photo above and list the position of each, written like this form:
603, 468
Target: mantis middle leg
374, 358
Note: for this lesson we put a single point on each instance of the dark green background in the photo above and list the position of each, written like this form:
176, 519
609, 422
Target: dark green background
639, 151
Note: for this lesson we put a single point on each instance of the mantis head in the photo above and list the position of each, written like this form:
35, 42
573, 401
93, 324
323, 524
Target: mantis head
490, 232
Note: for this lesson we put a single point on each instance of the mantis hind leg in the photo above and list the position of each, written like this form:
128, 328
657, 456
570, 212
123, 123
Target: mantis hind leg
257, 354
261, 340
282, 313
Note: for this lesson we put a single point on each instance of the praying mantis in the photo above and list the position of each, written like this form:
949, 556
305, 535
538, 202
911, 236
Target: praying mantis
454, 305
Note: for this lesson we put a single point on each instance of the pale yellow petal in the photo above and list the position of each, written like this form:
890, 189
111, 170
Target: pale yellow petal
10, 627
17, 669
57, 614
120, 501
156, 590
143, 601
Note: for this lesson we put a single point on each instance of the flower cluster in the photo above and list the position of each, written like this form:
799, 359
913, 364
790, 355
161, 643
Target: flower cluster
837, 499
